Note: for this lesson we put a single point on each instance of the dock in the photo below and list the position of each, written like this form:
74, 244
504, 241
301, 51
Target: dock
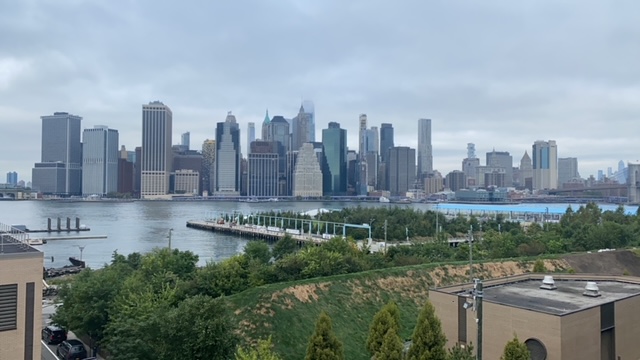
253, 231
81, 237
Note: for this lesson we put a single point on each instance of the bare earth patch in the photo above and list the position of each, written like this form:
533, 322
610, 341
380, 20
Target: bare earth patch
304, 293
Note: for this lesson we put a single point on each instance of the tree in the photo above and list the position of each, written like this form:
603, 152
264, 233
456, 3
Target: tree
428, 340
264, 351
461, 353
258, 250
323, 344
392, 347
515, 350
388, 318
286, 245
538, 266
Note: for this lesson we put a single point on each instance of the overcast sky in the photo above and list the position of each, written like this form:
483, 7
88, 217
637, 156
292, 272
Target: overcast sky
500, 74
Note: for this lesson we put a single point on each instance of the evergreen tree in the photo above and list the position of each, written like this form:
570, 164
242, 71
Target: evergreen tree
459, 353
515, 350
428, 340
323, 344
391, 348
388, 318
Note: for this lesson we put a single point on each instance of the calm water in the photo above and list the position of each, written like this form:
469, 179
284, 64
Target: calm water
143, 225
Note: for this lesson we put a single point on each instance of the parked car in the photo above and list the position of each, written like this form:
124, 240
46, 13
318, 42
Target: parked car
52, 334
71, 349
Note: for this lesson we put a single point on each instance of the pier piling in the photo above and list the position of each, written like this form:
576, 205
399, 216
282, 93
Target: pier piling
49, 224
59, 224
68, 224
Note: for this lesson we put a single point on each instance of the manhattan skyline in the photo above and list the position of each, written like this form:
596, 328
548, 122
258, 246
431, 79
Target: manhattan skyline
494, 74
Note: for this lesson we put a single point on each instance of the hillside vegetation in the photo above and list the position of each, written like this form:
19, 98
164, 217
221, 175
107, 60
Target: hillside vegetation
287, 311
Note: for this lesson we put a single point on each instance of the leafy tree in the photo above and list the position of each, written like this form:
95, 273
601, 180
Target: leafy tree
461, 353
263, 351
391, 348
428, 340
515, 350
284, 246
258, 250
323, 344
538, 266
388, 318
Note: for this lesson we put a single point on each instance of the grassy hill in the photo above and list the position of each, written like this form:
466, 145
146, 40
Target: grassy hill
288, 311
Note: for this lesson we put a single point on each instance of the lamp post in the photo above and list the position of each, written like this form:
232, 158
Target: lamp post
81, 247
170, 231
370, 225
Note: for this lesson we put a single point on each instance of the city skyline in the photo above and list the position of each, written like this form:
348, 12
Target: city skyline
480, 75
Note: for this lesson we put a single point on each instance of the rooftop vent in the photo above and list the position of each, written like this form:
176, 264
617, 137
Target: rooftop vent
591, 289
548, 283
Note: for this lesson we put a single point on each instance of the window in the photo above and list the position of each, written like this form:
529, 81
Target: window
8, 307
537, 349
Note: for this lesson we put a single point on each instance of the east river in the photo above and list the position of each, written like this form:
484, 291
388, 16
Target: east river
140, 226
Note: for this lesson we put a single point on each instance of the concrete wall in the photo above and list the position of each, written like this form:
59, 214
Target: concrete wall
627, 328
22, 268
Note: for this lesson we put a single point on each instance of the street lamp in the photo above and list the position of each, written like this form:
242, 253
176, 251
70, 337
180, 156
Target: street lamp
170, 231
81, 247
476, 294
370, 225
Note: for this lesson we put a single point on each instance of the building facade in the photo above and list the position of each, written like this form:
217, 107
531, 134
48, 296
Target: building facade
456, 180
60, 169
155, 172
302, 127
263, 168
425, 150
402, 170
567, 170
12, 178
502, 160
208, 173
545, 165
185, 141
308, 174
386, 141
251, 134
186, 181
99, 161
334, 140
526, 172
228, 157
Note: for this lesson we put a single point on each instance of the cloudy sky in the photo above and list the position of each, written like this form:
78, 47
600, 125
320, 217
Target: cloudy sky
500, 74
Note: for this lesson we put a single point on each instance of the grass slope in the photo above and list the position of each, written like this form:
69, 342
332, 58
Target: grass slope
288, 311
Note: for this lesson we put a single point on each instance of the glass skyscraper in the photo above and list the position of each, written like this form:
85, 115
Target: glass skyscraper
334, 140
99, 161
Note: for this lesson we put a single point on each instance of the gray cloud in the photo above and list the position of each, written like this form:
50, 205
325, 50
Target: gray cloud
499, 74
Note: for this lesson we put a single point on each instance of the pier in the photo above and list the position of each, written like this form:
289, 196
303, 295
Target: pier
57, 229
254, 231
81, 237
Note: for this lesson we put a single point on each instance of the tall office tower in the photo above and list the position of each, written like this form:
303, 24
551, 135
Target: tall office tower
609, 171
279, 131
503, 160
600, 175
386, 141
123, 153
633, 182
308, 175
208, 166
362, 170
228, 157
372, 157
425, 150
265, 127
309, 108
59, 171
263, 169
318, 148
12, 178
470, 164
185, 141
137, 171
251, 134
300, 129
567, 170
402, 170
622, 173
157, 127
526, 171
126, 176
545, 165
99, 161
456, 180
433, 183
334, 140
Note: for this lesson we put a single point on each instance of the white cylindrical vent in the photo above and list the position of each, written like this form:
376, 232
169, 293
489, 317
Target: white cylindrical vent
548, 283
591, 289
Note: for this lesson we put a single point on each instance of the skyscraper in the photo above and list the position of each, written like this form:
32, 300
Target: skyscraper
265, 127
263, 169
60, 168
567, 170
157, 127
251, 134
99, 161
301, 126
545, 165
12, 178
185, 141
372, 156
334, 140
526, 171
309, 108
402, 170
425, 151
502, 160
228, 157
386, 140
208, 166
362, 176
308, 176
470, 164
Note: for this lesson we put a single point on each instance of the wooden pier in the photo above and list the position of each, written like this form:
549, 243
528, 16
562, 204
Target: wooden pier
253, 231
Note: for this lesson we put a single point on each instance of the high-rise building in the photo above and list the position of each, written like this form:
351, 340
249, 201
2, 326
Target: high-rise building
425, 151
545, 165
251, 134
456, 180
301, 129
265, 128
263, 169
503, 160
137, 171
470, 164
279, 131
157, 127
362, 177
186, 181
99, 161
126, 176
185, 141
228, 157
402, 170
12, 178
308, 175
334, 140
433, 183
60, 168
567, 170
309, 108
208, 166
526, 171
386, 141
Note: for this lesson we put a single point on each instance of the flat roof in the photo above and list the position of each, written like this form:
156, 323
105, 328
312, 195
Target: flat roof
9, 245
566, 298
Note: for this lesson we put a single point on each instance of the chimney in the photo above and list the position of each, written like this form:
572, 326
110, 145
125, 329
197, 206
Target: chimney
548, 283
591, 289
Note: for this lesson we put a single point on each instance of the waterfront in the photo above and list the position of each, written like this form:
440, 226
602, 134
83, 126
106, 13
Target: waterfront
143, 225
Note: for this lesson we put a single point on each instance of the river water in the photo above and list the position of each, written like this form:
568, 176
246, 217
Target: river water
140, 226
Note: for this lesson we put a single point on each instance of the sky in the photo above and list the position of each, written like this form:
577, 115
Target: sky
500, 74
